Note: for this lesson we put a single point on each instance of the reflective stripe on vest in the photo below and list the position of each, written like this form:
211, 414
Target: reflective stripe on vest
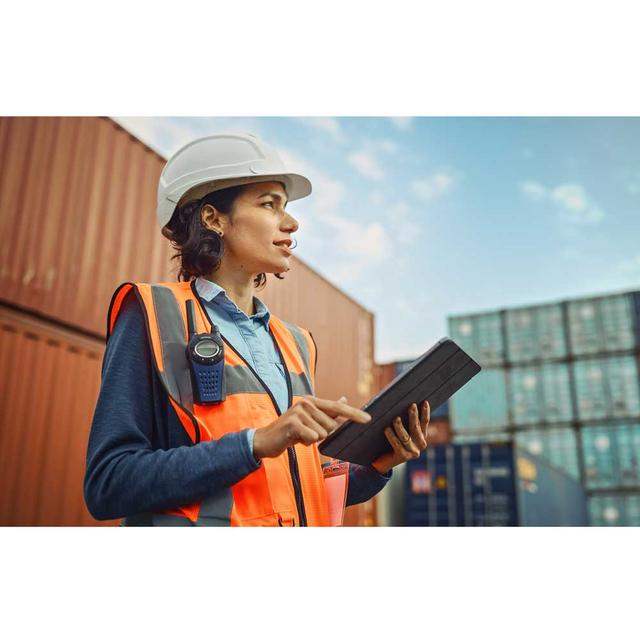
266, 496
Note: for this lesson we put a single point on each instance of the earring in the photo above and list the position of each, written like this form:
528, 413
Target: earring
293, 246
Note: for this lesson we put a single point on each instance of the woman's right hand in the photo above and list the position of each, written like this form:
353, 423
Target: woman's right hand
310, 420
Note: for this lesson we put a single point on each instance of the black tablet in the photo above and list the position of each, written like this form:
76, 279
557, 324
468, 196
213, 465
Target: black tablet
435, 377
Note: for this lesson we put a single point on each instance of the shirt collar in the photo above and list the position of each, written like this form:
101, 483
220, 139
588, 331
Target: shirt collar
215, 294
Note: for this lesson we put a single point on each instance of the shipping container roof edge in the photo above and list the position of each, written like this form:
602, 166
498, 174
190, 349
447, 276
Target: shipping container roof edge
589, 298
148, 146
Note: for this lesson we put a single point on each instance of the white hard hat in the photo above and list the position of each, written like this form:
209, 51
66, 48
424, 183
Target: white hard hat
220, 161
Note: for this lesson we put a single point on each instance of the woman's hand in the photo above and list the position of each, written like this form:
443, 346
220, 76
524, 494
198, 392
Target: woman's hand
310, 420
405, 445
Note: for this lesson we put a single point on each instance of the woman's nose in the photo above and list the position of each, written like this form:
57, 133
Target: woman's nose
291, 223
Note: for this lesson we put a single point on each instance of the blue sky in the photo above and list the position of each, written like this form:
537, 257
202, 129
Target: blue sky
421, 218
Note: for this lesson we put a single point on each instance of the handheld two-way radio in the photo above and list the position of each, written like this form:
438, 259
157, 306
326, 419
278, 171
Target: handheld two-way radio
205, 353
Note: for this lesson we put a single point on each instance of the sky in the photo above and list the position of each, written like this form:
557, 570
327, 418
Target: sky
420, 218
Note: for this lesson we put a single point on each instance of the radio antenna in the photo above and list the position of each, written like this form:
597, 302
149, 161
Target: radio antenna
191, 319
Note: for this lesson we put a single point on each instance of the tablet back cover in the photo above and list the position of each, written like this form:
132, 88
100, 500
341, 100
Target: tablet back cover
435, 377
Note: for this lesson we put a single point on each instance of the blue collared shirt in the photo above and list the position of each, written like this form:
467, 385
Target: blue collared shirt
250, 337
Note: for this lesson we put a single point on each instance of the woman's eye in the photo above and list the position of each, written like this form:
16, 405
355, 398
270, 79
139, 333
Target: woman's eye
270, 203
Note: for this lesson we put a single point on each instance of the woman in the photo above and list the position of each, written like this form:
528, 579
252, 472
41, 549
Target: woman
207, 413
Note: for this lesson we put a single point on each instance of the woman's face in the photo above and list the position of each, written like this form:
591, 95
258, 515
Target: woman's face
259, 222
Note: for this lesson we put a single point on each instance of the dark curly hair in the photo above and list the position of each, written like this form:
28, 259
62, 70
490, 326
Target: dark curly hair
200, 249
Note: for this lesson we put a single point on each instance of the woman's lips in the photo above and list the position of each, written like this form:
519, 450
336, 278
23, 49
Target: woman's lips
285, 249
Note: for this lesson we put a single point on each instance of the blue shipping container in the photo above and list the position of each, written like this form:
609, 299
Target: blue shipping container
490, 485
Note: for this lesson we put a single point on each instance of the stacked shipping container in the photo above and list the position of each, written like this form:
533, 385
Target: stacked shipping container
490, 485
77, 218
562, 381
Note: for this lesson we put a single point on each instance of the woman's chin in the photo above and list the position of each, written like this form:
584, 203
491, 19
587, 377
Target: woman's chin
282, 266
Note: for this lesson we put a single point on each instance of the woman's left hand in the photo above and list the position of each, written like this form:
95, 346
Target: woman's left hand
406, 445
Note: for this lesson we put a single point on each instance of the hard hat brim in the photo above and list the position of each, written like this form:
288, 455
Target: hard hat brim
296, 186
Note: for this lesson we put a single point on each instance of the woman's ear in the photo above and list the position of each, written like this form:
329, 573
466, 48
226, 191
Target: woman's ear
211, 218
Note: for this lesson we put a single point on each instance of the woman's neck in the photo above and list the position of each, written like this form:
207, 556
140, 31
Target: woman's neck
238, 286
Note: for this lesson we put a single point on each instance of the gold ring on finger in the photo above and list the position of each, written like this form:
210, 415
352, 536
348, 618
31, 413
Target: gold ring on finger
406, 440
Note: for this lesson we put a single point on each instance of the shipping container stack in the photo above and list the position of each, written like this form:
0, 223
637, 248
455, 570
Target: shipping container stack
561, 381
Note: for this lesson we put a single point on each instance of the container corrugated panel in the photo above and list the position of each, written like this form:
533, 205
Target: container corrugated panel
540, 394
535, 333
489, 485
607, 388
558, 446
48, 387
618, 331
614, 510
601, 324
461, 486
480, 336
481, 405
584, 333
611, 455
97, 185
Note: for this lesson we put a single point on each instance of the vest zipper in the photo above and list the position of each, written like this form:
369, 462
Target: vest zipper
293, 460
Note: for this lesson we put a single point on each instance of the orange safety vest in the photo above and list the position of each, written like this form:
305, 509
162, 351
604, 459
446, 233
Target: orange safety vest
288, 490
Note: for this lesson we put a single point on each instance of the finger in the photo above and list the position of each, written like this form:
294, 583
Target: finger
311, 415
305, 435
329, 424
309, 422
416, 432
333, 409
404, 437
425, 417
402, 451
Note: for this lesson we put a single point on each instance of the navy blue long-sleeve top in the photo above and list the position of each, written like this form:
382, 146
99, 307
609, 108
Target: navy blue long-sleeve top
139, 457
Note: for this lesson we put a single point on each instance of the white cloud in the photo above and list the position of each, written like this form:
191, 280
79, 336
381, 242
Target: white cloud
571, 200
533, 190
366, 164
388, 146
327, 125
575, 204
402, 123
570, 196
370, 241
433, 186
